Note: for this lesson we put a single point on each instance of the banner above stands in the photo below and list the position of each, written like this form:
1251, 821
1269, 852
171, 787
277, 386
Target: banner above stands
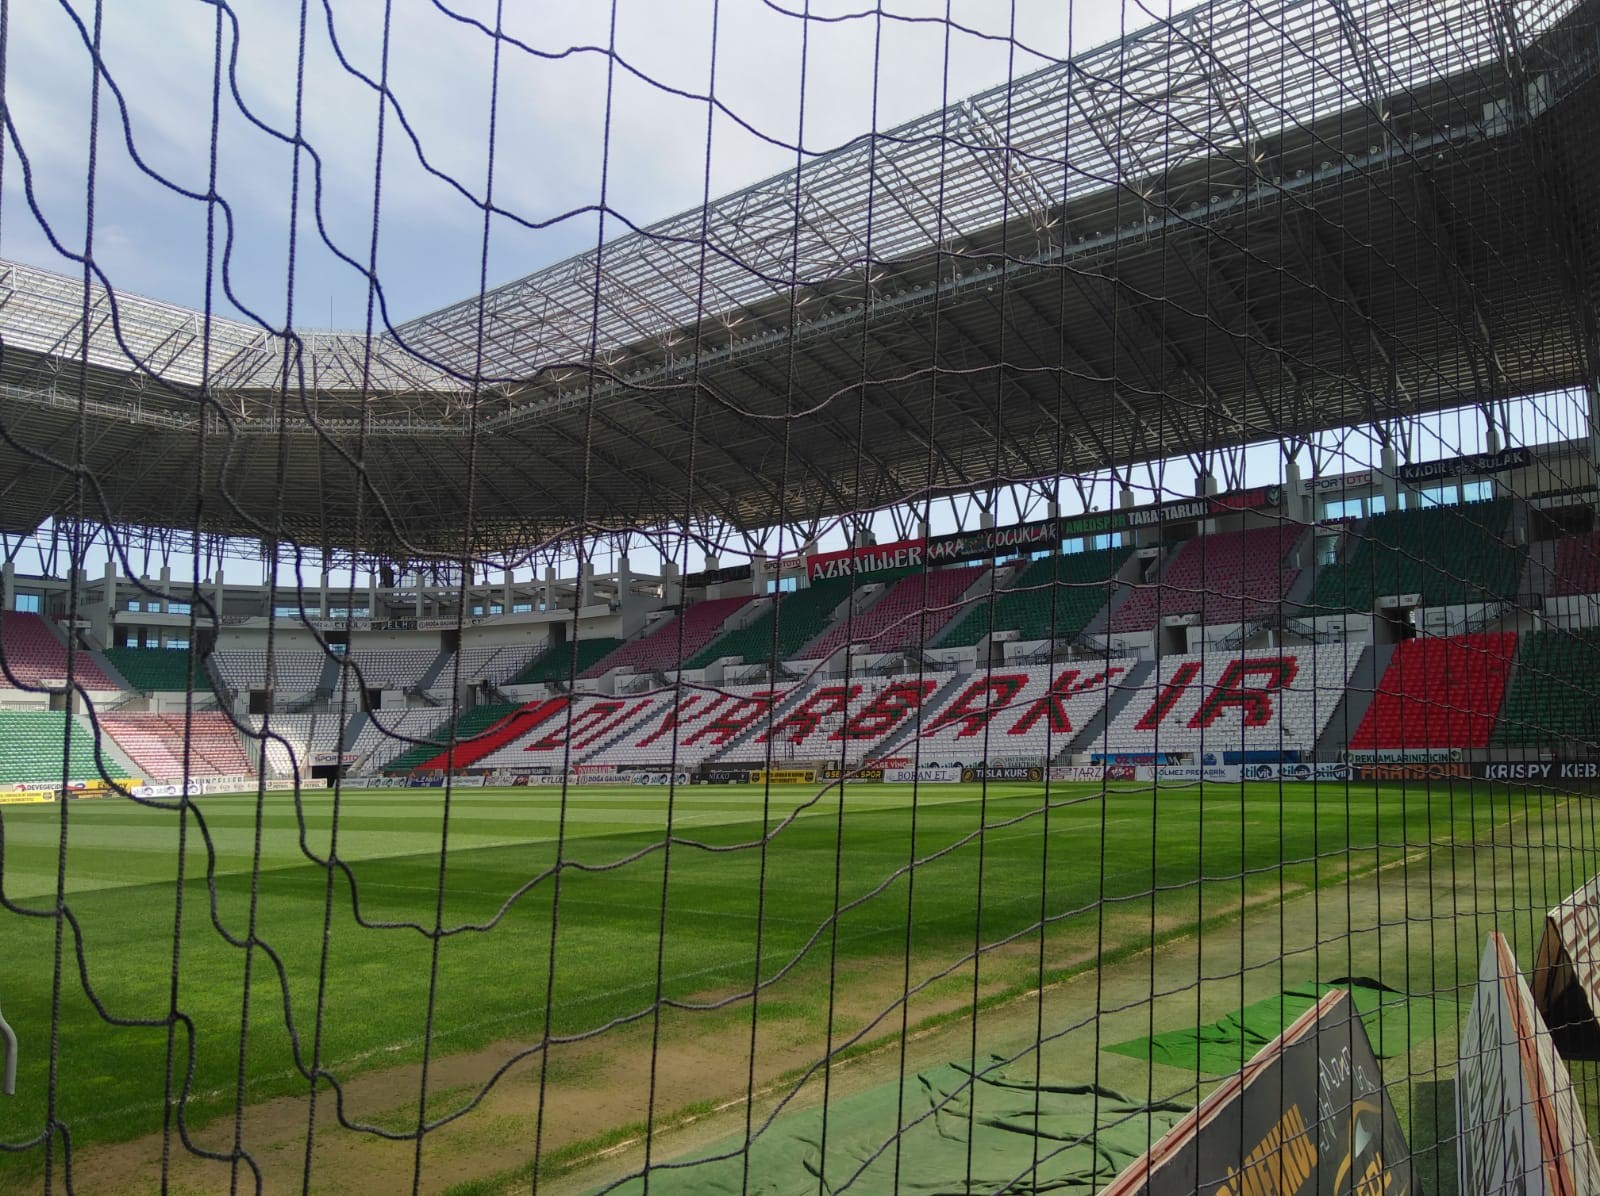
1183, 510
1472, 463
1036, 536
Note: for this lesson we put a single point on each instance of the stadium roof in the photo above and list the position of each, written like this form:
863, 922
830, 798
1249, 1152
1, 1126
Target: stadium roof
1250, 221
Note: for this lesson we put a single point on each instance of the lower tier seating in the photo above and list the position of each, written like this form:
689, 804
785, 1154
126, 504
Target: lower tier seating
435, 737
1438, 693
1554, 698
156, 744
1265, 699
34, 743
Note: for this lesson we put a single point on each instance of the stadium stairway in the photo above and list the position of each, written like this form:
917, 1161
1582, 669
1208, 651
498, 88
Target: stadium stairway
352, 731
1138, 680
328, 681
1357, 698
430, 677
475, 746
904, 742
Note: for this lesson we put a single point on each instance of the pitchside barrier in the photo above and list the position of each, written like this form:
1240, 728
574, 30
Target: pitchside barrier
1519, 1125
1307, 1116
1566, 971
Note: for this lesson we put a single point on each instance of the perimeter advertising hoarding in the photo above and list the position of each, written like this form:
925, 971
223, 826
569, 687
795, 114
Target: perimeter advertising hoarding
1519, 1126
972, 776
784, 776
852, 774
922, 776
1537, 771
1566, 972
1308, 1116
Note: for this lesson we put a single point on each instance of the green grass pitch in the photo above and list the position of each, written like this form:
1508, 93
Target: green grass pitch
1113, 872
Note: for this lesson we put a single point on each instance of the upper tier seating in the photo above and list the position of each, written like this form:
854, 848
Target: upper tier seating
392, 669
800, 616
33, 655
1264, 699
495, 663
1036, 609
246, 668
673, 641
32, 743
1439, 692
1226, 577
158, 669
911, 613
571, 659
1449, 555
1554, 697
1577, 565
155, 743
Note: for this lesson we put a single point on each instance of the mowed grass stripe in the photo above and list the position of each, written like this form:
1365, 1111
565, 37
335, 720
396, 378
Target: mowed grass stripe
375, 824
1156, 849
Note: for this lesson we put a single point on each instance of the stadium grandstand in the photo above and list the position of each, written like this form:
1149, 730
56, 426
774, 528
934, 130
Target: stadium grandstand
1031, 635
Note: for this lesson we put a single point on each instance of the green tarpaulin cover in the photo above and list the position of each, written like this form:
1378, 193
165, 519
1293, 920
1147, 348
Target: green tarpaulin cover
1394, 1021
1032, 1136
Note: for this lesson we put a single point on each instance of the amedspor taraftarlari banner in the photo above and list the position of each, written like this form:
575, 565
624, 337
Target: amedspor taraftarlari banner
785, 776
1308, 1116
1183, 511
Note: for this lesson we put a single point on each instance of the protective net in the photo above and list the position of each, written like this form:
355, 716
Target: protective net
1050, 642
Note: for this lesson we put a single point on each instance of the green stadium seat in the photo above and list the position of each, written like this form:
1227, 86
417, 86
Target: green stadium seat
1449, 555
158, 669
572, 659
1037, 609
1554, 697
469, 723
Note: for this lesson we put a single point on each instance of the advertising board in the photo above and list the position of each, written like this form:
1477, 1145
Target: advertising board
1302, 771
1566, 970
922, 776
1519, 1125
1307, 1116
1540, 771
993, 772
852, 774
784, 776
